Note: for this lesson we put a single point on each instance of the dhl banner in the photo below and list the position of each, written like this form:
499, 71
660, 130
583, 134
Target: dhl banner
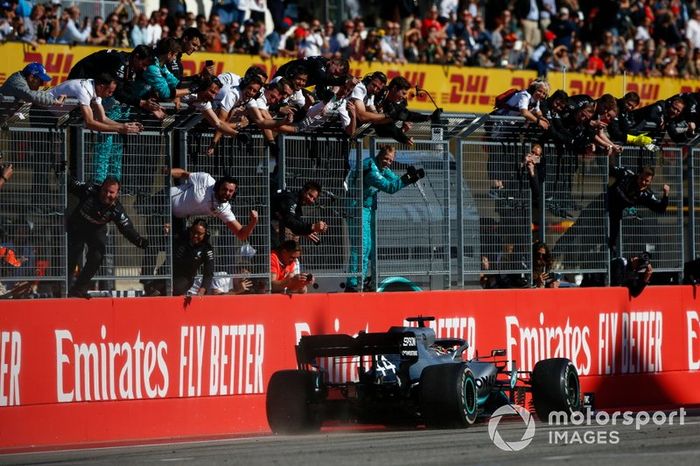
455, 89
79, 372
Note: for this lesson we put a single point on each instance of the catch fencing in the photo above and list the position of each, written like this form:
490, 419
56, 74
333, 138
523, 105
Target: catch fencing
470, 222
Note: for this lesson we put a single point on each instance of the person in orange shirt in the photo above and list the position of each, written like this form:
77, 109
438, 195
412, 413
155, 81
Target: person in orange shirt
284, 269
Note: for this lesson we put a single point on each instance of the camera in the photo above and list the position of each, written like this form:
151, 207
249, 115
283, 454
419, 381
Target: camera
644, 261
309, 277
553, 277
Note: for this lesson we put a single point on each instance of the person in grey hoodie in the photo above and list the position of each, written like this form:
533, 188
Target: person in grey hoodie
24, 85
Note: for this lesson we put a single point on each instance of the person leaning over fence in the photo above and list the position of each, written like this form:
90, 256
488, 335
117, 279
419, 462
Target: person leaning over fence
89, 93
126, 67
628, 191
230, 104
323, 72
363, 97
260, 115
190, 252
285, 275
301, 100
525, 103
87, 226
287, 214
156, 80
24, 85
376, 176
201, 100
199, 194
190, 41
394, 107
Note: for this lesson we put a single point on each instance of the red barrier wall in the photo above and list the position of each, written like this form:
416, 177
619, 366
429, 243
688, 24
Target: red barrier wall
77, 372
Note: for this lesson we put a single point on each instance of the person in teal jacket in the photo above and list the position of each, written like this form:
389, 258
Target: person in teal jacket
376, 176
156, 80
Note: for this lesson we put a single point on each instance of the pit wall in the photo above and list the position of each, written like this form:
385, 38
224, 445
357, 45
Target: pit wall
106, 371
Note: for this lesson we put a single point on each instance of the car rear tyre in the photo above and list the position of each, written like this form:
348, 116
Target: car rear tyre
555, 387
448, 396
289, 403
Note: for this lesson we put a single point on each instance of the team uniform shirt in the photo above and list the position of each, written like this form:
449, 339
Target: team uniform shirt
196, 197
297, 99
321, 112
193, 101
229, 80
259, 103
81, 89
115, 63
228, 98
360, 93
521, 100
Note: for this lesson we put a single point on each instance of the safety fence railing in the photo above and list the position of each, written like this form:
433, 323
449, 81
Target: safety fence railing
470, 222
642, 230
331, 162
693, 204
413, 225
246, 159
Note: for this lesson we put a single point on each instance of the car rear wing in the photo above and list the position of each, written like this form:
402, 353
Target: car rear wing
313, 346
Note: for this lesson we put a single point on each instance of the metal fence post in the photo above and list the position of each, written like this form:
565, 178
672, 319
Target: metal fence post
459, 181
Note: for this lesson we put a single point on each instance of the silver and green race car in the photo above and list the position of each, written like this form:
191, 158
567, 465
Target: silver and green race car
406, 375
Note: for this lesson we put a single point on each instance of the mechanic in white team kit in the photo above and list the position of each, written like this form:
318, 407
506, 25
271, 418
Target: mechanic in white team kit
199, 194
89, 93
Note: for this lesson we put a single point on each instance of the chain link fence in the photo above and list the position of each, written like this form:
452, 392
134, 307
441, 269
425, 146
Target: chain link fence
413, 225
247, 160
470, 222
327, 161
32, 233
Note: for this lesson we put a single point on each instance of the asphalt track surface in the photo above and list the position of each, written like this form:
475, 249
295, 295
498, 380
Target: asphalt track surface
650, 445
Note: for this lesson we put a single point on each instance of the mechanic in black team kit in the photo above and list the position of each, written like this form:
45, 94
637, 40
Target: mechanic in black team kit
287, 214
323, 73
189, 253
87, 225
629, 190
125, 67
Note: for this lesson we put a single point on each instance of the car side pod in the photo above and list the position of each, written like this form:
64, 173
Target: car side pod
448, 397
290, 403
555, 388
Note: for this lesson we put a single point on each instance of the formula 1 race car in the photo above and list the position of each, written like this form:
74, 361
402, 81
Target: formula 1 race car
407, 375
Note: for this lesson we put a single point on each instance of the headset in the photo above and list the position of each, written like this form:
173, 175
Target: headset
203, 222
375, 75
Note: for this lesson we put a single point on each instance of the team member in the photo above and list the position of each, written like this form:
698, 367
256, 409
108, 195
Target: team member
376, 176
24, 85
287, 214
200, 194
125, 67
89, 93
189, 254
87, 226
629, 190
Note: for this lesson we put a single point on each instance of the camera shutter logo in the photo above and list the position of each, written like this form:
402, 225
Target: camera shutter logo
496, 436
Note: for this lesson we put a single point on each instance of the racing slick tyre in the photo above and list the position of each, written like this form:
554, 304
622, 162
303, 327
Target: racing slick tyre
555, 387
289, 397
448, 396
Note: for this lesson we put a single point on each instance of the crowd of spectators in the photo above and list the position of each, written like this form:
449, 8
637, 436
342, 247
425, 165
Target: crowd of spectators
643, 37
